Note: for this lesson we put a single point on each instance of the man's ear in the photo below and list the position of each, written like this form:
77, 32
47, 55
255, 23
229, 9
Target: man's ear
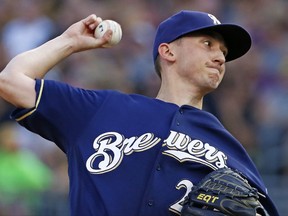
166, 52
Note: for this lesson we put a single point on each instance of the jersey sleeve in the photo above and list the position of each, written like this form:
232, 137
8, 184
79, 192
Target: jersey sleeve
60, 112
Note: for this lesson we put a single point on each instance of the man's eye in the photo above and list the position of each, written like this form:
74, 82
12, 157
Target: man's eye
208, 43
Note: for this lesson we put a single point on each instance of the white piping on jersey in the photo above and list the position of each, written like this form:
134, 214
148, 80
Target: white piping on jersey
36, 105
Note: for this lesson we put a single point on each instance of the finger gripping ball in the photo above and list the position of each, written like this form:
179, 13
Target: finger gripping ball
116, 32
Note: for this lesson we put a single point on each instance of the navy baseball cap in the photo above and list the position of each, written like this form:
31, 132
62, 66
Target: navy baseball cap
237, 39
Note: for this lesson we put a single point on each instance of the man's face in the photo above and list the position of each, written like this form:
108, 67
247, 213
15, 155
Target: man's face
200, 60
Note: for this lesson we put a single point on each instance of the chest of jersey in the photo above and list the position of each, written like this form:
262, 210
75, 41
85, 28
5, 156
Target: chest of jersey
151, 154
128, 154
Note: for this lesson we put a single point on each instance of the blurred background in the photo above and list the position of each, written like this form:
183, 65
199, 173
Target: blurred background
252, 101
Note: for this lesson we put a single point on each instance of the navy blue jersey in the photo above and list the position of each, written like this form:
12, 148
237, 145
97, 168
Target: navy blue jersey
130, 154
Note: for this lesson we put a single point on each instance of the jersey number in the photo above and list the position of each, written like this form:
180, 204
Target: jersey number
177, 206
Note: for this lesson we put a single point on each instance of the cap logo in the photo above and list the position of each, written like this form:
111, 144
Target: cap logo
215, 20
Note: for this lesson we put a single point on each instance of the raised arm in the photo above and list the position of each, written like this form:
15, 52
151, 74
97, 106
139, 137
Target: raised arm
17, 80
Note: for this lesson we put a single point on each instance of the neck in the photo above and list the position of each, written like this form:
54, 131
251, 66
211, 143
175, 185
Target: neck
180, 97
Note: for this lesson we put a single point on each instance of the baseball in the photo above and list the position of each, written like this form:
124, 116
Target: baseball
116, 29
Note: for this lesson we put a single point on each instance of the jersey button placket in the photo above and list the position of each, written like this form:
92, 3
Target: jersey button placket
181, 113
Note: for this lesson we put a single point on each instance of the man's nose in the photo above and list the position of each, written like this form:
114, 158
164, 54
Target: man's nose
219, 57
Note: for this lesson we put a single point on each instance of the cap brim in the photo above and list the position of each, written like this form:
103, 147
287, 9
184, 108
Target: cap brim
237, 39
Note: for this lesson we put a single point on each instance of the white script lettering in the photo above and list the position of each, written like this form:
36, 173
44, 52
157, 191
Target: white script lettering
110, 148
192, 150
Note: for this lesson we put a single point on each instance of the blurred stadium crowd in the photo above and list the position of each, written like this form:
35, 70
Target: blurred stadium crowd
252, 101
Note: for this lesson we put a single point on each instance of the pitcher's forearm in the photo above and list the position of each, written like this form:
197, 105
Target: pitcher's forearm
37, 62
17, 80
